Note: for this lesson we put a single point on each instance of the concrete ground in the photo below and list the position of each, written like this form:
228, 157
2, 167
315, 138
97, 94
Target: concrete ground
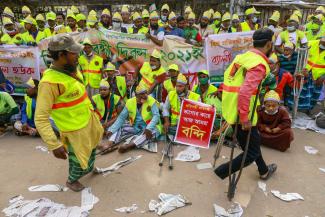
23, 166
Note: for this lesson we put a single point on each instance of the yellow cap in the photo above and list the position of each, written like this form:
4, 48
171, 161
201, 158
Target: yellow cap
145, 13
188, 9
274, 58
50, 15
154, 15
217, 15
117, 16
125, 9
272, 96
31, 83
91, 20
173, 67
106, 12
165, 7
87, 41
288, 44
6, 21
321, 9
141, 88
74, 9
250, 11
191, 16
211, 11
235, 17
203, 72
25, 9
275, 16
70, 14
80, 17
92, 13
298, 13
136, 16
29, 19
104, 84
8, 12
226, 16
207, 14
40, 17
171, 16
181, 79
294, 18
110, 67
156, 54
255, 11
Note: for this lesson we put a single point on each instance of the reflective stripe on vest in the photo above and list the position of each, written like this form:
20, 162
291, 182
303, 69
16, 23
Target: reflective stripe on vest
70, 104
314, 65
316, 60
91, 71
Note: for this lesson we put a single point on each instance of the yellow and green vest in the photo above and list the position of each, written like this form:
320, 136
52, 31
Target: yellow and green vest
148, 76
100, 104
6, 39
168, 85
142, 30
28, 38
246, 28
316, 60
204, 96
91, 71
29, 104
285, 37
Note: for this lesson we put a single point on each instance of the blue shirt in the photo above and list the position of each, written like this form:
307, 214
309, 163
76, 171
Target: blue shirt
174, 31
24, 118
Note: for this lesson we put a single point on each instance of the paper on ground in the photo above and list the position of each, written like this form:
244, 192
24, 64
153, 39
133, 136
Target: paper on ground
19, 207
128, 209
204, 166
167, 203
262, 186
88, 200
42, 148
151, 147
322, 169
189, 154
117, 165
48, 187
311, 150
288, 196
234, 211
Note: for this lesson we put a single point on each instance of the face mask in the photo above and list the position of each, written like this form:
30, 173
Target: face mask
286, 56
153, 67
254, 20
164, 18
271, 113
204, 81
322, 47
10, 32
314, 26
291, 28
116, 25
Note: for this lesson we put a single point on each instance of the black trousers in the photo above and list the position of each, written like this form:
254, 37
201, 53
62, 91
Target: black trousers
253, 154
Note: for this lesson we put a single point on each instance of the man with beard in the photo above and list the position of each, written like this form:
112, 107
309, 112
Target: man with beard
143, 114
63, 97
72, 22
145, 18
126, 18
191, 33
50, 18
153, 30
240, 89
32, 36
250, 23
225, 24
204, 28
172, 105
81, 22
137, 27
117, 83
105, 19
171, 28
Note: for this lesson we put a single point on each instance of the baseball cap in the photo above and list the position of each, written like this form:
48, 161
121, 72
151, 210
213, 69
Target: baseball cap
64, 42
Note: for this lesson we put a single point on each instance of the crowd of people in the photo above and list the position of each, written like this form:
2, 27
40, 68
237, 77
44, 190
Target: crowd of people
86, 101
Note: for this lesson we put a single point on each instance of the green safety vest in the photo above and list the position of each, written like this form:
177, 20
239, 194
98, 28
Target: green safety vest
29, 103
148, 76
100, 104
246, 28
316, 60
91, 70
6, 39
168, 85
285, 37
28, 38
142, 30
211, 89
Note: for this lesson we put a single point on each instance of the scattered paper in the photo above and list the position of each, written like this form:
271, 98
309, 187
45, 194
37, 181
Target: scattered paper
322, 169
42, 148
262, 186
311, 150
167, 203
288, 196
151, 147
48, 187
189, 154
108, 170
204, 166
129, 209
234, 211
312, 126
88, 200
304, 122
18, 207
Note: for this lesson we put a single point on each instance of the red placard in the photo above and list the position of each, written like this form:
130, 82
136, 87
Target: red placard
195, 124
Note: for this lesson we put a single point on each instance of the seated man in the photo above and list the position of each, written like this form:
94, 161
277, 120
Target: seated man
144, 122
172, 105
274, 123
8, 108
117, 83
204, 89
107, 105
27, 125
170, 83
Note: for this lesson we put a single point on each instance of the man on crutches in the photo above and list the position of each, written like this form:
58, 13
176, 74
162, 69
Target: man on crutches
242, 81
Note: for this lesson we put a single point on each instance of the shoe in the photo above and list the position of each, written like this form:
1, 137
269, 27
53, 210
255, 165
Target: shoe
272, 169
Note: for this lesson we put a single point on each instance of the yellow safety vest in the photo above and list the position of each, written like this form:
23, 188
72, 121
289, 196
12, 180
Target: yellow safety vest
316, 60
175, 104
28, 38
246, 28
211, 89
6, 39
100, 104
234, 78
233, 29
121, 86
285, 37
161, 23
68, 29
131, 105
142, 30
168, 85
311, 37
91, 70
29, 103
48, 32
71, 110
148, 76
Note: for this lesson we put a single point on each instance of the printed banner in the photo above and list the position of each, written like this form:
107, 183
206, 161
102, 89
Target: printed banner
18, 64
195, 124
221, 50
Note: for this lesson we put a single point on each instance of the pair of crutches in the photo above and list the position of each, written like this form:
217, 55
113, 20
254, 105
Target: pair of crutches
167, 151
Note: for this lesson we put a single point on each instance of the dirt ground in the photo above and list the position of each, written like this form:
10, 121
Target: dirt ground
23, 166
